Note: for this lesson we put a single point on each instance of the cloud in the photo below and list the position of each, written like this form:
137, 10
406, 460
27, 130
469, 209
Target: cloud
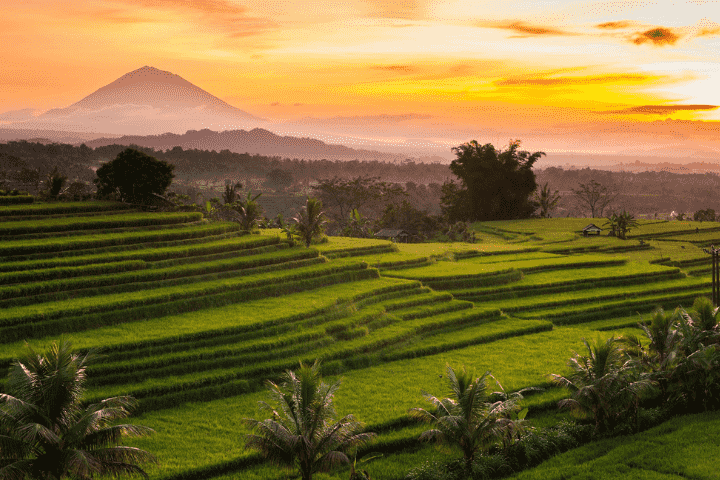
231, 17
298, 104
663, 109
658, 36
546, 80
524, 29
401, 9
275, 104
395, 68
118, 16
619, 25
707, 28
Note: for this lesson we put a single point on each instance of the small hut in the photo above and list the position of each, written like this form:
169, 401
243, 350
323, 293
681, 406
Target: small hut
591, 229
394, 235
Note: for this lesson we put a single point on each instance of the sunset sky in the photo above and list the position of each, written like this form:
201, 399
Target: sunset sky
489, 66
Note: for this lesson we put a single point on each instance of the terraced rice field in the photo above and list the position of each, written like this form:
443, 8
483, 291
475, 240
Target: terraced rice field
192, 317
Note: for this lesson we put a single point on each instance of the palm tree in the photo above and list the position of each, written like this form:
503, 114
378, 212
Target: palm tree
249, 211
44, 432
230, 193
469, 419
547, 200
301, 431
604, 383
310, 222
625, 222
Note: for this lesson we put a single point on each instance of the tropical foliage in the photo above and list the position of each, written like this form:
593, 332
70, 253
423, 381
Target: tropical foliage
546, 199
310, 222
604, 384
494, 184
46, 434
133, 176
469, 418
302, 431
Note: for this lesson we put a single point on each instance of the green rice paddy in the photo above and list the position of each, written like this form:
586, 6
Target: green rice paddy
192, 319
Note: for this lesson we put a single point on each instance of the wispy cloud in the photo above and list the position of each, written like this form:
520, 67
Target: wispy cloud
659, 36
663, 109
395, 68
619, 25
400, 9
547, 80
524, 29
234, 19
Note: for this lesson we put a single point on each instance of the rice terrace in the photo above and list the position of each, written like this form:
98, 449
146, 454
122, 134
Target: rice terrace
192, 317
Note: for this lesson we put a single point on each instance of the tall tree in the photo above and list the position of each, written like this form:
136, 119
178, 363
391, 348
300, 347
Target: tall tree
133, 176
310, 222
302, 430
494, 184
45, 433
546, 200
595, 196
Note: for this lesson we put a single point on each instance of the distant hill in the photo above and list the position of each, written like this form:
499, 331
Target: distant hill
257, 140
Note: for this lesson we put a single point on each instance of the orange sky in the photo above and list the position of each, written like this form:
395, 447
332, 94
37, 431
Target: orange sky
495, 64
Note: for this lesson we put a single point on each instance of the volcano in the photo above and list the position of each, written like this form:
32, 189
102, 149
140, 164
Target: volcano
145, 101
151, 87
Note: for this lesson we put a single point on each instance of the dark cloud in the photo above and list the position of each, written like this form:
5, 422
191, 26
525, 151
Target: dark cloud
524, 29
298, 104
275, 104
615, 25
663, 109
659, 36
566, 81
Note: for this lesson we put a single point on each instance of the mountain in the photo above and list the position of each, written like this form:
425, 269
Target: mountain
149, 86
144, 101
255, 141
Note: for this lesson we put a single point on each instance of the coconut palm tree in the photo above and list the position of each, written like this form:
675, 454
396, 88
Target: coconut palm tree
605, 384
230, 194
310, 222
625, 222
546, 200
301, 431
468, 418
45, 434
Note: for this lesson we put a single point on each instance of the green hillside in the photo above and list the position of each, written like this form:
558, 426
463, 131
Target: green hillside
192, 317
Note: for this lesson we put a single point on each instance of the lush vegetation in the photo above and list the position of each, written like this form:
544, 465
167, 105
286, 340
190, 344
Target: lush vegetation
193, 319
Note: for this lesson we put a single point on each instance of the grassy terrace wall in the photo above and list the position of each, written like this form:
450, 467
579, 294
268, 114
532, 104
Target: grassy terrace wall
192, 317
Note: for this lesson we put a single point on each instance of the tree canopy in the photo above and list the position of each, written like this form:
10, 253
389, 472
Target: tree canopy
133, 176
494, 184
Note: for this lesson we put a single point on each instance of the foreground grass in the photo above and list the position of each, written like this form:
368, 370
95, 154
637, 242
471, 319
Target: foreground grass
378, 396
684, 447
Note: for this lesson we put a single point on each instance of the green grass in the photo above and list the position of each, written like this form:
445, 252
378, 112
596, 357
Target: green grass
96, 222
214, 320
468, 268
684, 447
45, 245
200, 372
40, 208
562, 279
149, 253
